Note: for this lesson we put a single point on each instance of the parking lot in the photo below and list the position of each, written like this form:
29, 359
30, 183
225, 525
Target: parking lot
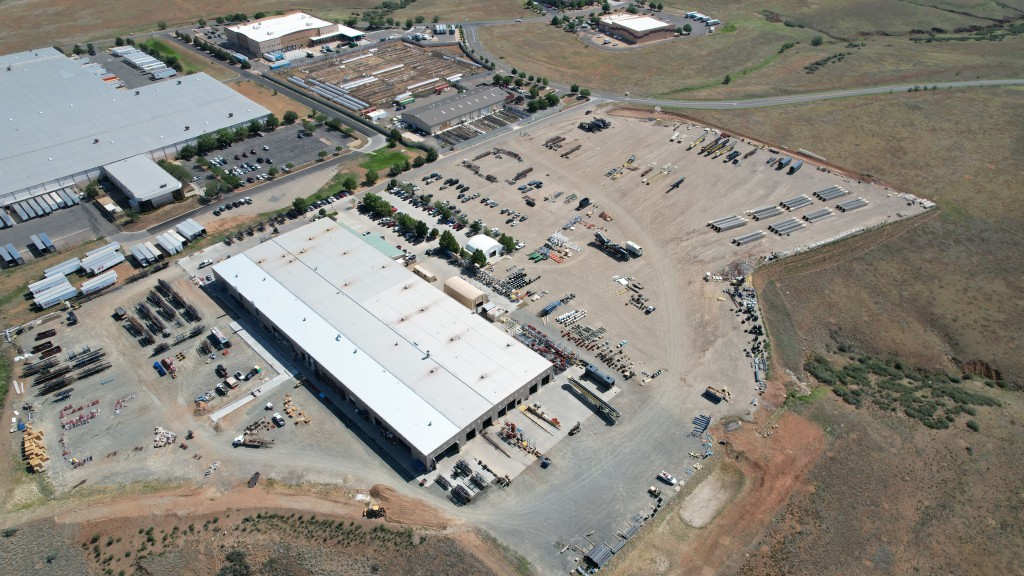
66, 227
282, 146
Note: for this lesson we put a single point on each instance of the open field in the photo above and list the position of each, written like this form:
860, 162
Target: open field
945, 290
277, 103
891, 496
64, 22
850, 20
696, 67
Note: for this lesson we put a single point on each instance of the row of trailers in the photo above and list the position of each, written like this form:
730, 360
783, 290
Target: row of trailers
172, 242
39, 206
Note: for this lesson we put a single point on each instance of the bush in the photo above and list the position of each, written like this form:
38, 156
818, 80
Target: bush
973, 425
816, 41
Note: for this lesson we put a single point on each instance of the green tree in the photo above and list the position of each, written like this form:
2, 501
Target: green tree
585, 92
507, 242
259, 15
816, 41
479, 258
555, 21
687, 28
418, 161
300, 204
660, 6
206, 143
254, 127
408, 23
350, 183
371, 177
290, 117
240, 133
187, 152
118, 41
435, 19
551, 99
309, 127
92, 190
420, 19
574, 88
534, 92
515, 72
431, 154
224, 138
448, 242
727, 80
271, 122
475, 227
421, 229
321, 155
162, 25
202, 22
76, 50
273, 171
533, 106
395, 135
498, 79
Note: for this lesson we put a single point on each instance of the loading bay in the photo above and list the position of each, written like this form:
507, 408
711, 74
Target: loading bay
598, 478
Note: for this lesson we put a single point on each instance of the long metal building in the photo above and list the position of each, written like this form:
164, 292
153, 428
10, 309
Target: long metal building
411, 356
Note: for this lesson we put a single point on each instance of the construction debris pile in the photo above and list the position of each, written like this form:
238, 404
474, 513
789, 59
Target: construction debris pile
294, 411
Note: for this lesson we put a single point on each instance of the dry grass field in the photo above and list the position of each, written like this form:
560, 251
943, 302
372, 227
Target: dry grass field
65, 22
277, 103
874, 45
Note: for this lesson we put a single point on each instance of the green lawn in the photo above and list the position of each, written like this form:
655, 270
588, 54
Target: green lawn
383, 159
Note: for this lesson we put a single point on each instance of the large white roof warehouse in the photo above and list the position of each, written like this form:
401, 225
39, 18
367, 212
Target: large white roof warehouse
61, 122
278, 26
426, 368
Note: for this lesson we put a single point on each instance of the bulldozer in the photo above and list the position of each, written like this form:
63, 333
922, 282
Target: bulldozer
374, 511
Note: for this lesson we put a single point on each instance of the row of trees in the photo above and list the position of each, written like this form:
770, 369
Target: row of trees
215, 51
224, 137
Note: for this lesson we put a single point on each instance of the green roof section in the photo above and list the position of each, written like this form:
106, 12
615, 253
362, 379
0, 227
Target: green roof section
376, 241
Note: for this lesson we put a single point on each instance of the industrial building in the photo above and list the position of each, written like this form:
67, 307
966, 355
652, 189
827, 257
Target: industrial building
460, 290
146, 184
63, 122
636, 28
413, 361
456, 109
287, 32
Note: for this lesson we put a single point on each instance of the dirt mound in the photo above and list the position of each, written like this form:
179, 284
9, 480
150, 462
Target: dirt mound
405, 510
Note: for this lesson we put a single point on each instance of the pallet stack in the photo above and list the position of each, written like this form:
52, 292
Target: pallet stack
34, 449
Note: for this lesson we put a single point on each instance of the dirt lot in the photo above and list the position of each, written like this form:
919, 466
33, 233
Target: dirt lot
278, 104
757, 478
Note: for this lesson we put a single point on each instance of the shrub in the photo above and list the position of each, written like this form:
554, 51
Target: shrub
816, 41
973, 425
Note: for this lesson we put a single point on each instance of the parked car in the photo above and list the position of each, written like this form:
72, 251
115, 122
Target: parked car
278, 420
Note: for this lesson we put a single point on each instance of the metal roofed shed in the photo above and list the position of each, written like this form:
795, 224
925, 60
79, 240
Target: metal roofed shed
489, 246
56, 294
464, 293
100, 282
64, 268
62, 122
447, 112
190, 229
147, 185
421, 365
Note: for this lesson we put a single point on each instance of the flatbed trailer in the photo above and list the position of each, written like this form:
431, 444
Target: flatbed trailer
597, 401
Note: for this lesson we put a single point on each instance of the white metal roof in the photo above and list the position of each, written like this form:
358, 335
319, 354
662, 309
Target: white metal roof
419, 359
481, 242
142, 178
278, 26
635, 22
59, 118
